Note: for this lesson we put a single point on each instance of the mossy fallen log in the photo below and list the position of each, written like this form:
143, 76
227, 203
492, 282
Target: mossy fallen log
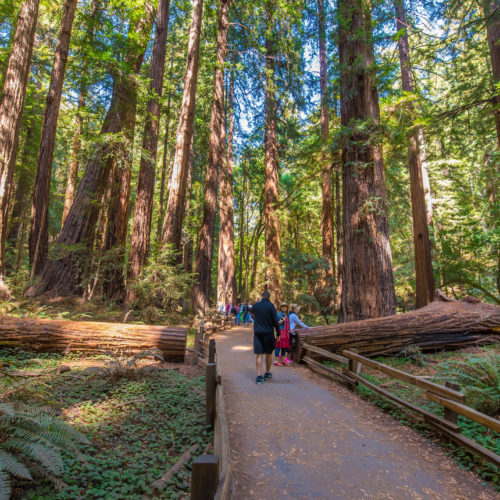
61, 336
443, 324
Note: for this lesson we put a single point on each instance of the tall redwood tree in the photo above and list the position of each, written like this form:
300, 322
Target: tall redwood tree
11, 106
327, 297
39, 231
421, 242
141, 227
226, 278
176, 203
216, 159
272, 225
368, 283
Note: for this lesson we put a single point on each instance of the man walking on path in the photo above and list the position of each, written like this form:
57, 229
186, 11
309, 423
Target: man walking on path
264, 342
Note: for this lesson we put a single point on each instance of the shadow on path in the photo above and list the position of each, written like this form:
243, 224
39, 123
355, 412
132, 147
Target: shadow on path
301, 436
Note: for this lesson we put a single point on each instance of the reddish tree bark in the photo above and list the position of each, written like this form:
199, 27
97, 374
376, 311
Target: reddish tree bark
492, 13
11, 106
421, 242
141, 227
216, 153
172, 226
368, 283
39, 231
273, 244
161, 209
75, 152
491, 10
226, 282
327, 295
63, 275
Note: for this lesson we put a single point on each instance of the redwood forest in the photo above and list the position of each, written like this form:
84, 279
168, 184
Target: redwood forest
162, 161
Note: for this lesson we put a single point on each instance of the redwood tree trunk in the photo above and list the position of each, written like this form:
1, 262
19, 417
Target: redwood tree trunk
273, 244
141, 228
75, 153
172, 226
216, 157
39, 230
11, 106
368, 283
161, 210
491, 10
74, 243
327, 296
226, 283
338, 227
421, 242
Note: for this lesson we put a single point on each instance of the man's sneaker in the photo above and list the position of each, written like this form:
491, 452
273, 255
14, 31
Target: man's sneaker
268, 377
260, 380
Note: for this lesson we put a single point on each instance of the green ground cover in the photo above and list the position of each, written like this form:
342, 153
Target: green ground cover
138, 426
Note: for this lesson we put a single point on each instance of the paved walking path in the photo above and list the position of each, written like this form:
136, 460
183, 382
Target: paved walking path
301, 436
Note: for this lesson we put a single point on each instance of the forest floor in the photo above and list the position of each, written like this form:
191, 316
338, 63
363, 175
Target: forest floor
303, 436
138, 424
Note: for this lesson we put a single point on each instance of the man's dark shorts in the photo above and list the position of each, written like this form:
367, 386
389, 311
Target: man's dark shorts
264, 343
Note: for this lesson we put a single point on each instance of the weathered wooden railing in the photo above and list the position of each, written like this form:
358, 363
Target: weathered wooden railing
201, 341
448, 396
212, 474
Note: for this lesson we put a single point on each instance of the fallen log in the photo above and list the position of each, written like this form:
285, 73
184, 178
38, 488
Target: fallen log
45, 335
443, 324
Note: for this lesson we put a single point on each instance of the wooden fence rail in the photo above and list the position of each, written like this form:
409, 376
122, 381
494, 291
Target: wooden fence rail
212, 476
448, 396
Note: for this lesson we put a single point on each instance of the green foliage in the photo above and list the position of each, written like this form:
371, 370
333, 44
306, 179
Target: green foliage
121, 366
161, 286
480, 377
32, 438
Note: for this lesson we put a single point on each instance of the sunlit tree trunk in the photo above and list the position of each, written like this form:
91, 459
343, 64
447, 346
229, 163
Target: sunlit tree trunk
421, 242
272, 225
226, 283
77, 141
141, 226
172, 227
11, 106
492, 14
216, 160
165, 159
327, 296
368, 283
339, 230
39, 231
491, 9
75, 241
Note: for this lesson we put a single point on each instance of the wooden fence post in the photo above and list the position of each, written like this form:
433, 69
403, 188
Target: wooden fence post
196, 351
211, 351
210, 388
204, 477
450, 414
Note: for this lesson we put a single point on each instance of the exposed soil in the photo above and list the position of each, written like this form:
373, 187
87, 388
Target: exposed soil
302, 436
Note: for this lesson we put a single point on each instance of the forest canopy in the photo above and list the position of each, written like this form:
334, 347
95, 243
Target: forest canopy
344, 154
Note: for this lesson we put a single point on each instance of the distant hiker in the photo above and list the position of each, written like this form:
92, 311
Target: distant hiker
264, 342
236, 312
246, 314
295, 322
228, 308
283, 343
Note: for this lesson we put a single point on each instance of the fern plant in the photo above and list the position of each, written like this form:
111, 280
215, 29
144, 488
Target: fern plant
32, 437
480, 378
123, 366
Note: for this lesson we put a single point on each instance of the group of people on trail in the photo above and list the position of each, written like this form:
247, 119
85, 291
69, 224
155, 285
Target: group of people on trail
241, 312
267, 321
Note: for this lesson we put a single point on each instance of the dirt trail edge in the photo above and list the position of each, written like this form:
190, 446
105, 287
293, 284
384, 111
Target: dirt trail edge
301, 436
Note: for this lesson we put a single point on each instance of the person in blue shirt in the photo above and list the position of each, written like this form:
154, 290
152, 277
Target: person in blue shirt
295, 323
